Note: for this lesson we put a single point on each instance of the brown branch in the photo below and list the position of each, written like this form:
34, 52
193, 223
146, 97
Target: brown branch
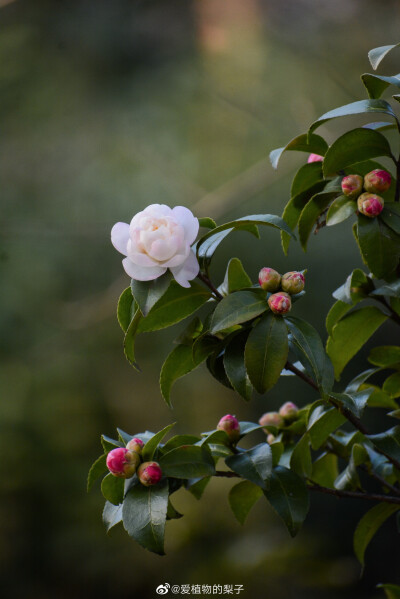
226, 474
210, 285
354, 494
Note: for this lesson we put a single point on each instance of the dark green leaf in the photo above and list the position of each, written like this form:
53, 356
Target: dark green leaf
380, 246
313, 144
255, 464
236, 308
340, 209
144, 513
235, 367
325, 470
112, 488
355, 402
187, 461
151, 445
390, 290
381, 126
368, 526
236, 277
306, 177
215, 365
323, 421
129, 340
197, 486
338, 310
350, 334
288, 495
348, 479
376, 84
360, 107
389, 442
385, 355
300, 460
356, 287
392, 385
242, 497
179, 362
97, 469
311, 212
355, 383
391, 217
191, 332
207, 222
172, 513
179, 440
176, 304
147, 293
392, 590
248, 427
112, 515
124, 309
266, 352
376, 55
109, 444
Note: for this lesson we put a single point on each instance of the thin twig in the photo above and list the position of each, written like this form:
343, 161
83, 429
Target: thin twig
354, 494
210, 285
226, 474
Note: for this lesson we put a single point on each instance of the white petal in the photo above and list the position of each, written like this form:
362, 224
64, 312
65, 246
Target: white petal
186, 271
120, 237
178, 259
142, 273
137, 257
158, 210
191, 224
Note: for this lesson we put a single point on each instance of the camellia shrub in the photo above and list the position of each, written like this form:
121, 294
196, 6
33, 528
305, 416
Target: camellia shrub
250, 337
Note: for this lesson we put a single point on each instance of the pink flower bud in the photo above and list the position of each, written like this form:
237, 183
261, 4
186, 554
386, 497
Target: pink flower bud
352, 185
271, 419
270, 438
377, 181
122, 462
315, 158
230, 425
280, 303
292, 282
289, 411
269, 279
370, 204
135, 444
149, 473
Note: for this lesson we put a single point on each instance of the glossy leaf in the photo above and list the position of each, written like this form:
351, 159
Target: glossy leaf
322, 422
337, 311
348, 479
151, 445
392, 385
313, 144
236, 308
340, 209
325, 470
369, 525
392, 591
97, 469
207, 222
124, 309
385, 355
376, 55
109, 444
147, 293
381, 125
112, 488
255, 464
112, 515
355, 402
351, 333
300, 460
376, 84
360, 107
198, 486
130, 337
187, 461
144, 513
179, 440
235, 367
380, 246
356, 287
241, 499
236, 277
390, 290
306, 177
288, 495
389, 442
311, 212
390, 215
176, 304
266, 352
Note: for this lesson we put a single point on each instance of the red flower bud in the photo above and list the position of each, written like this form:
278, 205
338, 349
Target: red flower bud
292, 282
135, 444
122, 463
271, 419
280, 303
289, 411
352, 185
230, 425
377, 181
315, 158
149, 473
269, 279
370, 204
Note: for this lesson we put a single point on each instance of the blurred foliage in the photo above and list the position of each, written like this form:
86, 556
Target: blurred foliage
105, 108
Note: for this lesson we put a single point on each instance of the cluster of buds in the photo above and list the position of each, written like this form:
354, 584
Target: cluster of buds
289, 284
287, 414
124, 462
365, 191
230, 425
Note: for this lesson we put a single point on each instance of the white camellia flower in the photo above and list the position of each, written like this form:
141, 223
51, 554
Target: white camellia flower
158, 238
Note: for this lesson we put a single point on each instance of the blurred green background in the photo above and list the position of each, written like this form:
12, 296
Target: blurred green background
107, 106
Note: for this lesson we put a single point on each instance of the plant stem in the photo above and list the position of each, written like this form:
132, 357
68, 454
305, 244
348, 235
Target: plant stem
210, 285
226, 474
354, 494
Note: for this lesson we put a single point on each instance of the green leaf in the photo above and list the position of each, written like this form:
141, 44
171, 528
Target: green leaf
172, 513
215, 365
124, 309
248, 427
360, 107
306, 177
266, 352
179, 362
293, 209
355, 146
236, 277
288, 495
391, 217
389, 442
368, 526
147, 293
129, 339
112, 515
356, 287
197, 487
325, 470
207, 222
313, 144
179, 440
187, 461
112, 488
337, 311
235, 367
392, 590
176, 304
376, 84
207, 245
322, 422
254, 464
152, 444
348, 479
236, 308
385, 355
381, 126
311, 212
380, 246
390, 290
144, 513
355, 402
311, 351
392, 385
109, 444
191, 332
376, 55
241, 499
300, 460
98, 468
350, 334
340, 209
355, 383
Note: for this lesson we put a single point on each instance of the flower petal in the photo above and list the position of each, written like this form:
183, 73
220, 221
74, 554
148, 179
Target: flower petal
142, 273
139, 258
178, 259
191, 224
120, 237
186, 271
